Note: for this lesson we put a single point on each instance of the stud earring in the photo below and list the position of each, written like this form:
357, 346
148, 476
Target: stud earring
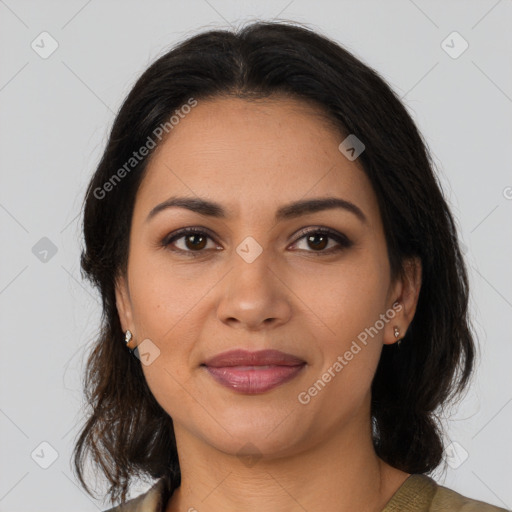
128, 338
397, 335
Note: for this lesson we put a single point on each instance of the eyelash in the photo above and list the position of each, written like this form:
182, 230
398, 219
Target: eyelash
342, 240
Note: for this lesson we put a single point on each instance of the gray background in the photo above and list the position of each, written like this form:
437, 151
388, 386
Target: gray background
55, 117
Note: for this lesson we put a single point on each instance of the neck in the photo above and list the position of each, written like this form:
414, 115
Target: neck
340, 474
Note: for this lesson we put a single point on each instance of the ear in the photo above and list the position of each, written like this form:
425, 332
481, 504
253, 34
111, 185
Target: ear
406, 291
123, 303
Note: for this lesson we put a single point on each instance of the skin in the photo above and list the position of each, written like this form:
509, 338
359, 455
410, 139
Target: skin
252, 157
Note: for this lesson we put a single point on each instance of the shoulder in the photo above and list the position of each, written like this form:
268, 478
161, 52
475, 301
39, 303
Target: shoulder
150, 501
448, 499
420, 493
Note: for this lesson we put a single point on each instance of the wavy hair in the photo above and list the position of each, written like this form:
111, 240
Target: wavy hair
127, 433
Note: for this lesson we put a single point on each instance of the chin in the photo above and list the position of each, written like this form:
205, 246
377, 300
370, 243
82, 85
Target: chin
252, 436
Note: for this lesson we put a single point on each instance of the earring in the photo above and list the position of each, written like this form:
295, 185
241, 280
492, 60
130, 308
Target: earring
128, 338
397, 335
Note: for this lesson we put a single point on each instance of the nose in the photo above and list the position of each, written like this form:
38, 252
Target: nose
254, 295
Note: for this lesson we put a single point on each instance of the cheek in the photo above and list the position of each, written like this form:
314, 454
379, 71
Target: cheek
164, 294
349, 301
346, 298
170, 304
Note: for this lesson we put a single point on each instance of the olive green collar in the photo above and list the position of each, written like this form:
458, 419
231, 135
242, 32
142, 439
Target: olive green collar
414, 495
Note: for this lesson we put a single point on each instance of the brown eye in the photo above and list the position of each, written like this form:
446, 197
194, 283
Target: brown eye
195, 241
187, 240
317, 240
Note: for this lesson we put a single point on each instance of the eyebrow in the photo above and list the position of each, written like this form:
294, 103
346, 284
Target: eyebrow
286, 212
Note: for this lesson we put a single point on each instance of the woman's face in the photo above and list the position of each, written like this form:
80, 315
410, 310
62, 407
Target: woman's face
252, 281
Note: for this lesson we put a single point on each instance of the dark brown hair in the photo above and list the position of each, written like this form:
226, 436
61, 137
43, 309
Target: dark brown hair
127, 433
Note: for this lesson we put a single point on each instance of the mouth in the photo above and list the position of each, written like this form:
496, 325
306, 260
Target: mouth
253, 372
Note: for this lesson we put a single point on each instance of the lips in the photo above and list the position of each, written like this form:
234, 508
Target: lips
253, 372
259, 358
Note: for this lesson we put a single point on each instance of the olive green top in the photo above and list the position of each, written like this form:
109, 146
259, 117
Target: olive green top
422, 494
418, 493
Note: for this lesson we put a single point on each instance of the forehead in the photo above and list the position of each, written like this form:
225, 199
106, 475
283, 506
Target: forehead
251, 154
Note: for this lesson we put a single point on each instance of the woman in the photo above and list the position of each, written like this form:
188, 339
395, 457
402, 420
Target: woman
284, 297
